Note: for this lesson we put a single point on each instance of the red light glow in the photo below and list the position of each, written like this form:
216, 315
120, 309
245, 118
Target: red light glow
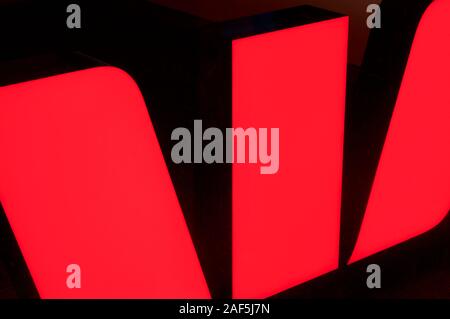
286, 225
83, 180
411, 191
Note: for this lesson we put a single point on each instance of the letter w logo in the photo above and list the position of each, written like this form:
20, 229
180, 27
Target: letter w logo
83, 181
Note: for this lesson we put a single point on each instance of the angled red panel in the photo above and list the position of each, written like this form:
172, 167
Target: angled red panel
83, 181
411, 190
286, 225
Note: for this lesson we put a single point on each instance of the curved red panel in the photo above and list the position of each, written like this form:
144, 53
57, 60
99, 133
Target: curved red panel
411, 190
83, 181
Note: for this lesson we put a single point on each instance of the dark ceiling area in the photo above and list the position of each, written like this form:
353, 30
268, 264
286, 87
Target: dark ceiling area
220, 10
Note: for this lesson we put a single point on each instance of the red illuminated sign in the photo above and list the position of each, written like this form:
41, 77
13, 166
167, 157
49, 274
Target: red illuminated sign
84, 180
286, 226
411, 191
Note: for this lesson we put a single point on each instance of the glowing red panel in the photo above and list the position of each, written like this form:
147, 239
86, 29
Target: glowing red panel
83, 181
411, 191
286, 225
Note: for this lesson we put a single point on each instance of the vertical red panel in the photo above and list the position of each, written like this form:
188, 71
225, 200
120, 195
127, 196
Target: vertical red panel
83, 181
286, 225
411, 190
